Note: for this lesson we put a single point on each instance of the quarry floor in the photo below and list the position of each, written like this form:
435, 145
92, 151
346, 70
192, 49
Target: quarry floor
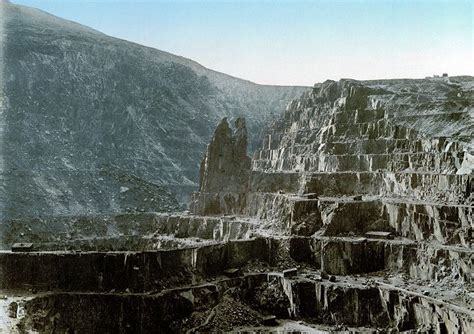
233, 290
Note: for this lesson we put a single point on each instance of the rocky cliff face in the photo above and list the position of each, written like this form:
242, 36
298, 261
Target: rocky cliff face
226, 166
85, 110
356, 215
351, 138
348, 220
369, 179
225, 170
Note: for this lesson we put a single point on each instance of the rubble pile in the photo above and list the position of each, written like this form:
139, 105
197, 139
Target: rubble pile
354, 215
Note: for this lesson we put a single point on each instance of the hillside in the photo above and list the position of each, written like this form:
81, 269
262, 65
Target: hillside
86, 111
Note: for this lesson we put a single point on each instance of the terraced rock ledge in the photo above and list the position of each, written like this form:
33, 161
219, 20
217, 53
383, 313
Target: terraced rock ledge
355, 215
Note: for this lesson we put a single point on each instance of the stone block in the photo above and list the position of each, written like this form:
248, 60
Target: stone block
290, 272
269, 320
233, 272
22, 247
379, 235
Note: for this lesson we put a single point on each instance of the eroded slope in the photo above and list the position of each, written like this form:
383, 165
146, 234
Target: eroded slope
83, 106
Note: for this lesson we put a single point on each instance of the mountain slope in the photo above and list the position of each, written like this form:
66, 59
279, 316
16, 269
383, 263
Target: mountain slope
82, 106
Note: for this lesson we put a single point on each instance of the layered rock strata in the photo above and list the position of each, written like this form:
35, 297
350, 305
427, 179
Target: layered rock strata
344, 161
356, 214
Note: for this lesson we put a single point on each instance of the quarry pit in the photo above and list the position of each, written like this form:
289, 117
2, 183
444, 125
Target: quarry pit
350, 218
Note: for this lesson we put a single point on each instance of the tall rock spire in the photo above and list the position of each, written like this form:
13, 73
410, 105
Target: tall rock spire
226, 166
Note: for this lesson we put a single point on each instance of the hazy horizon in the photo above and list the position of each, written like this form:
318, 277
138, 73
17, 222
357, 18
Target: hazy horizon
292, 42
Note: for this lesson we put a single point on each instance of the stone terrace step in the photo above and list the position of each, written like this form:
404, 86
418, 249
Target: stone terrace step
157, 270
354, 302
360, 255
371, 146
291, 213
341, 149
125, 271
358, 302
415, 185
274, 182
373, 130
387, 145
418, 220
427, 162
444, 162
300, 134
66, 229
359, 116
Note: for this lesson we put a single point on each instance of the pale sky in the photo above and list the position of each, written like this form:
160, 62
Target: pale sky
292, 42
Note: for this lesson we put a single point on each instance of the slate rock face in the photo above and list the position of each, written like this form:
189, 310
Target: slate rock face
226, 166
378, 215
344, 159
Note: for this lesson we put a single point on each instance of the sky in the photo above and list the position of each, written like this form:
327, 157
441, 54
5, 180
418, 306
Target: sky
292, 42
